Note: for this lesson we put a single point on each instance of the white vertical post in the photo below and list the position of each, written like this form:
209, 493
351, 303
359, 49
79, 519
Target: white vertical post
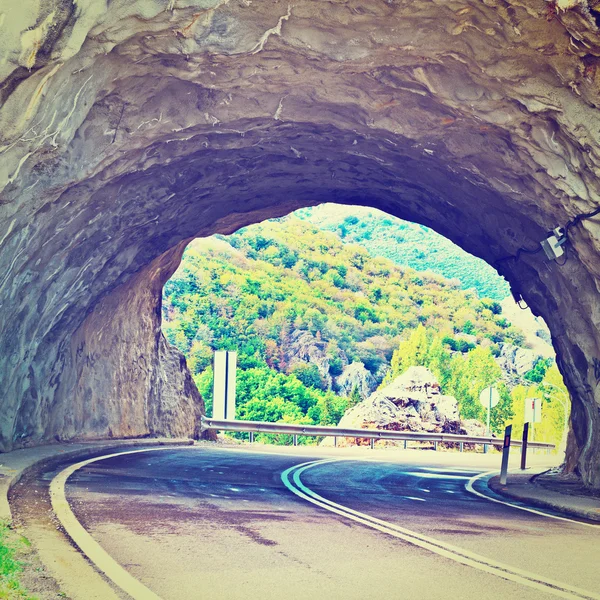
220, 364
230, 385
224, 387
489, 412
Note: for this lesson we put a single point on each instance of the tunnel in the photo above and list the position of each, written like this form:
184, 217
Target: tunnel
128, 128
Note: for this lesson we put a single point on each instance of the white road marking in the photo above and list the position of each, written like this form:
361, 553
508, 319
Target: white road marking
450, 551
469, 487
434, 475
86, 543
415, 498
450, 469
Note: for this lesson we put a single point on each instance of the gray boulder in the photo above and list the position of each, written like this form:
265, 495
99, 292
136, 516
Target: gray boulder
304, 347
356, 376
515, 361
412, 402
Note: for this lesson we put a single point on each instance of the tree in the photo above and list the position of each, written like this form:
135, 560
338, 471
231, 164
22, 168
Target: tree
309, 375
354, 398
410, 353
536, 375
469, 376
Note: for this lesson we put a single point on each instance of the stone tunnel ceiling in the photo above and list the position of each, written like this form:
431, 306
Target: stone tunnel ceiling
129, 127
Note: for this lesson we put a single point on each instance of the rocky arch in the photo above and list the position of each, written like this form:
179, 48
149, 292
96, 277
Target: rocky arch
130, 127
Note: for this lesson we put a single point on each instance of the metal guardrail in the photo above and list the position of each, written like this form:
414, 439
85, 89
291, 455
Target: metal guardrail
372, 434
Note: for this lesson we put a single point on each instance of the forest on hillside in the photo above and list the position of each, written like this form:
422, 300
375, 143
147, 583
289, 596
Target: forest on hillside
300, 305
407, 244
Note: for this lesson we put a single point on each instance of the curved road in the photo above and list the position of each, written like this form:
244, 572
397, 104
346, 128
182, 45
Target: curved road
214, 523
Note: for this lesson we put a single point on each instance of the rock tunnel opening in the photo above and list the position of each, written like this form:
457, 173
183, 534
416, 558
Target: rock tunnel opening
326, 298
129, 130
116, 363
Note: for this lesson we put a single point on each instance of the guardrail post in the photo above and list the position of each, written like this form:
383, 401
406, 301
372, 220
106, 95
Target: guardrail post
524, 447
335, 441
295, 439
435, 445
405, 444
372, 443
462, 446
485, 448
505, 453
252, 437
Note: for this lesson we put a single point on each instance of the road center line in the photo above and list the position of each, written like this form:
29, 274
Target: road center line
296, 486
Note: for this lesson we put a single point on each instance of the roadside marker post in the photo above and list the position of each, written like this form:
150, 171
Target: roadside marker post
489, 397
524, 447
224, 384
505, 453
533, 413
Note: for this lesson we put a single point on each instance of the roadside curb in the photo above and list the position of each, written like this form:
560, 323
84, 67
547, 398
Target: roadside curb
65, 564
559, 504
14, 465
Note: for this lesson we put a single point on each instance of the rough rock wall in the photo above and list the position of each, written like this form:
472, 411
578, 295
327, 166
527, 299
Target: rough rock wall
128, 381
128, 127
411, 402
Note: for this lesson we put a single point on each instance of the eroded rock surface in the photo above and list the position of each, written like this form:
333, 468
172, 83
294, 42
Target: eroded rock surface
132, 126
356, 376
515, 361
411, 402
302, 347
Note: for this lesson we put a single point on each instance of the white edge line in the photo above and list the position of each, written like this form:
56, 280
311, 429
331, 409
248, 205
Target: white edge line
86, 543
469, 487
443, 549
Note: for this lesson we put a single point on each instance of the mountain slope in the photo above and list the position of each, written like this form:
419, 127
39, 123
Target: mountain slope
273, 288
318, 323
407, 244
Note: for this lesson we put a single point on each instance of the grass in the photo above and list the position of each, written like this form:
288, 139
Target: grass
11, 544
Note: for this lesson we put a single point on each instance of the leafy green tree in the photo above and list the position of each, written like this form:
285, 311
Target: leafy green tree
309, 375
536, 375
412, 352
469, 376
354, 398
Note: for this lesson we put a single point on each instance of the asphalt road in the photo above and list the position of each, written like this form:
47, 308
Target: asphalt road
203, 523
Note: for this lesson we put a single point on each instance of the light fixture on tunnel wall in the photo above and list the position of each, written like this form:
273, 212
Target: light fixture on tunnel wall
552, 245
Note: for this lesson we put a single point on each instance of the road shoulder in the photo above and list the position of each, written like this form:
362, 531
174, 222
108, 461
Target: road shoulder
25, 505
543, 490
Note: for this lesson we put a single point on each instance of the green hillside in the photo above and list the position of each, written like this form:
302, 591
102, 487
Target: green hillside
299, 304
250, 290
407, 244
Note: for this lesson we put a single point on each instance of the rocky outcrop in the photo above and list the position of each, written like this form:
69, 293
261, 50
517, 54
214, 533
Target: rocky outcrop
303, 347
516, 362
130, 126
355, 376
412, 402
537, 334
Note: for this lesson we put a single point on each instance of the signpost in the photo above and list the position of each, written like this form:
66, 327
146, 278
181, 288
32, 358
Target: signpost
533, 413
224, 385
489, 397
